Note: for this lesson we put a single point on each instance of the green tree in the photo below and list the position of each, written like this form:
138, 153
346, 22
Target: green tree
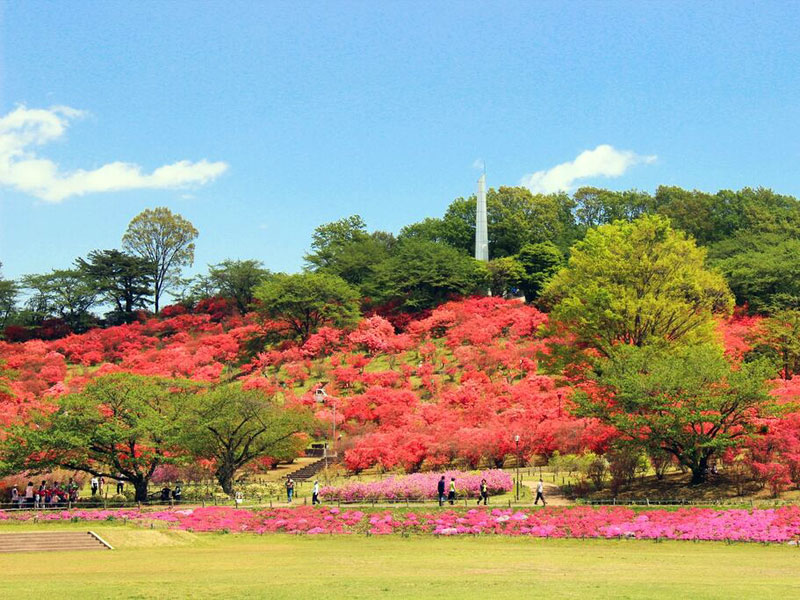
237, 279
688, 401
539, 262
8, 298
233, 427
763, 269
120, 279
515, 217
596, 206
778, 338
344, 248
166, 240
121, 425
637, 283
62, 293
503, 274
422, 274
306, 301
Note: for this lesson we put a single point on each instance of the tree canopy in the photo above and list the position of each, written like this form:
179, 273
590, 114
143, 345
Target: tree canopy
306, 301
688, 401
637, 283
166, 240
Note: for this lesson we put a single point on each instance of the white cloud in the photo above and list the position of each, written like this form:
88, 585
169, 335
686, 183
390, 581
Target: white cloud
24, 129
603, 161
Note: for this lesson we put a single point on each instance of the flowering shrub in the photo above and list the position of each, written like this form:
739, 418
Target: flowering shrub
419, 486
779, 525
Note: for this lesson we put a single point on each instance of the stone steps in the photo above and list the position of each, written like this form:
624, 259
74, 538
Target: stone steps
50, 541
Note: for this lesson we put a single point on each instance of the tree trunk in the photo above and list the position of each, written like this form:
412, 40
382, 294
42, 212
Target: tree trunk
141, 489
225, 474
700, 471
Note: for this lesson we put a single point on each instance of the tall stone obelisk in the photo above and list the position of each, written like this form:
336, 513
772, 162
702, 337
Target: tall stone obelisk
481, 229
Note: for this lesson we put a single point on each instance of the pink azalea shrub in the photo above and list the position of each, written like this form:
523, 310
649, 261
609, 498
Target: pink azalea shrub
416, 487
778, 525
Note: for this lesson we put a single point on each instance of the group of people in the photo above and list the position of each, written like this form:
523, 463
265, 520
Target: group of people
46, 495
174, 494
290, 491
483, 492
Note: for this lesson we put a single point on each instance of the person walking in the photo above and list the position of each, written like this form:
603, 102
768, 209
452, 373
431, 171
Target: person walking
95, 483
120, 483
451, 496
29, 493
177, 493
540, 493
440, 490
289, 488
315, 494
484, 493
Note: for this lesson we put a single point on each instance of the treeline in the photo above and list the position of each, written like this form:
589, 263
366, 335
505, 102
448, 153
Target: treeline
751, 236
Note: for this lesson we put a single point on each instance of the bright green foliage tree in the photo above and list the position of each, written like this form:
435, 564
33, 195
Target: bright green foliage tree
540, 262
422, 274
121, 279
121, 425
637, 283
233, 427
166, 240
778, 338
306, 301
685, 400
237, 279
62, 293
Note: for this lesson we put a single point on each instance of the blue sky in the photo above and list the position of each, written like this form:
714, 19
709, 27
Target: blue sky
272, 118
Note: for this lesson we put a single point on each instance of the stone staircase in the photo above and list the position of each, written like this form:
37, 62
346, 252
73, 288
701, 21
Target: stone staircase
48, 541
310, 470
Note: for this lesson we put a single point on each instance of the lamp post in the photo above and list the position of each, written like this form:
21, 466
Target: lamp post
516, 441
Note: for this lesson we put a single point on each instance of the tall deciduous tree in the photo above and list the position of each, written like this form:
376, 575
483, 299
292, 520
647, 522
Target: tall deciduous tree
687, 401
166, 240
306, 301
120, 279
121, 425
636, 283
234, 427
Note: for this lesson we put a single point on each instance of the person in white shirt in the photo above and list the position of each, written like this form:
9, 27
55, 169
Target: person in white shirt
315, 494
95, 483
540, 493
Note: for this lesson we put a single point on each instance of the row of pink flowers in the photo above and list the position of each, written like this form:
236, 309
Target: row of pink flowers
777, 525
419, 486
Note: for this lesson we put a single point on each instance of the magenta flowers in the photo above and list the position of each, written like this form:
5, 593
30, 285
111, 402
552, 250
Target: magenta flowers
419, 486
779, 525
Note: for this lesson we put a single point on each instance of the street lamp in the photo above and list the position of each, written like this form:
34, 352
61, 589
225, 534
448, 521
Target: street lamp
320, 396
516, 441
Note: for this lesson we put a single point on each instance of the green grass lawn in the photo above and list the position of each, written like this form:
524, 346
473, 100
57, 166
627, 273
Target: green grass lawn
173, 564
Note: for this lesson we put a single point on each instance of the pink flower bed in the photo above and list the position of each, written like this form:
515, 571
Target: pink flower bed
777, 525
419, 486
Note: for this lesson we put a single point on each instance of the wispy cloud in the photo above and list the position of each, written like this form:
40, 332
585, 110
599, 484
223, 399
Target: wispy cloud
24, 129
603, 161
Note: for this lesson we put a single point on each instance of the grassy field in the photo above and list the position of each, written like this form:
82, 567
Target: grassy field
174, 564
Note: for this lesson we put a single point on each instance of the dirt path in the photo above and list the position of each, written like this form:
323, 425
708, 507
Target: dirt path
552, 493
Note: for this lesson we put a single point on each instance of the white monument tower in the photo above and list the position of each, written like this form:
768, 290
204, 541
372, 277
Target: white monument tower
481, 230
